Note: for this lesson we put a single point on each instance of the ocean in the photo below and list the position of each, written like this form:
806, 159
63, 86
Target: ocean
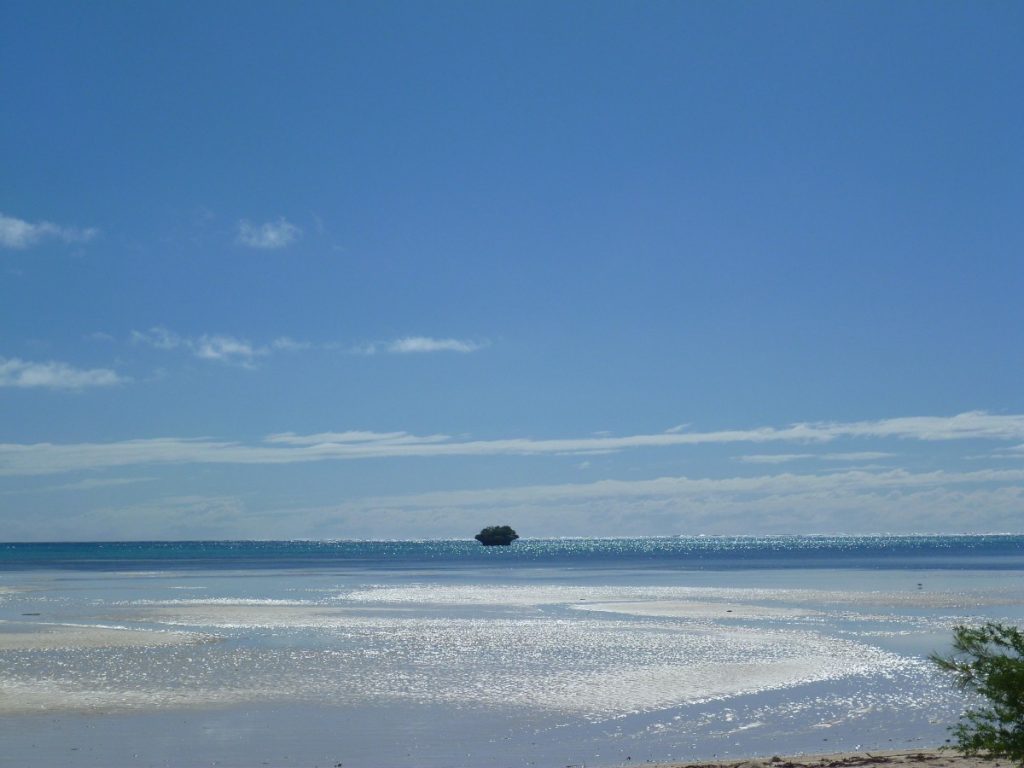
597, 652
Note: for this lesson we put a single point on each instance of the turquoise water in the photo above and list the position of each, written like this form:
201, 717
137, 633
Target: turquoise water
723, 552
445, 653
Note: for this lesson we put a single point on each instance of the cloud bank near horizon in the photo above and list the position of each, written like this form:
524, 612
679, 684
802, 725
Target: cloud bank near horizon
854, 502
288, 447
823, 497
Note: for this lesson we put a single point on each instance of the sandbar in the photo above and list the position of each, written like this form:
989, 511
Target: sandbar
44, 637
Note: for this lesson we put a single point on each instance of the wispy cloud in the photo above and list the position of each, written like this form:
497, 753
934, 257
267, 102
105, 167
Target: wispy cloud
20, 234
773, 458
269, 235
54, 375
355, 438
159, 337
972, 424
218, 347
851, 502
681, 487
413, 344
176, 517
783, 458
288, 344
419, 345
857, 456
286, 448
88, 484
226, 349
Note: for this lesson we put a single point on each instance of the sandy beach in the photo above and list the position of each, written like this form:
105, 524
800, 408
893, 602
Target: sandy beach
917, 758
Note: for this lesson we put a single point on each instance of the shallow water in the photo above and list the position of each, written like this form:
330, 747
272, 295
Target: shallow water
472, 664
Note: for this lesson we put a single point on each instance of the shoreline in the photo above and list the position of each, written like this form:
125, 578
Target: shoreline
905, 758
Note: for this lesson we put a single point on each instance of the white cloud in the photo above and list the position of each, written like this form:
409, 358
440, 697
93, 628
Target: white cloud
686, 488
355, 437
226, 349
417, 345
270, 235
287, 448
287, 344
54, 375
856, 456
414, 344
370, 348
972, 424
20, 234
893, 501
219, 347
176, 517
782, 458
852, 502
88, 484
159, 337
773, 458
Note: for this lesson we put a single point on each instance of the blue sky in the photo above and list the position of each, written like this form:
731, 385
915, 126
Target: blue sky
407, 269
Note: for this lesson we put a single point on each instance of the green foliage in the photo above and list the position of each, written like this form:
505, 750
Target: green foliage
989, 660
492, 535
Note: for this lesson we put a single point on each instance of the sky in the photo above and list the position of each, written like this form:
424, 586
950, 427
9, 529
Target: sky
403, 270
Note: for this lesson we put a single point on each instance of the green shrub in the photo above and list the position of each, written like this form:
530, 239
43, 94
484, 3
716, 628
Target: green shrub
501, 535
989, 660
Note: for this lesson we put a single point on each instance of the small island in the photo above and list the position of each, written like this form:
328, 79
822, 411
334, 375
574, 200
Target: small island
497, 536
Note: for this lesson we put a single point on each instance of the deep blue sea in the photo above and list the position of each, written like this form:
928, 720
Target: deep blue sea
445, 653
